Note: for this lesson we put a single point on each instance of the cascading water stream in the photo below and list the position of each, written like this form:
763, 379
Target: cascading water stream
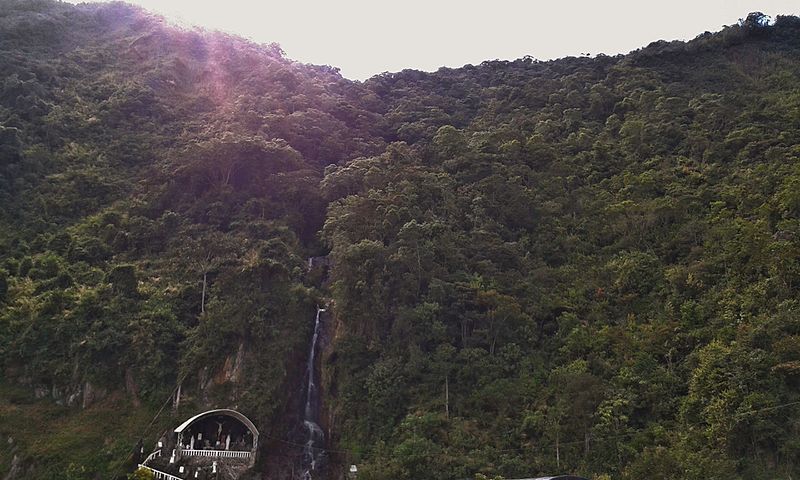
314, 434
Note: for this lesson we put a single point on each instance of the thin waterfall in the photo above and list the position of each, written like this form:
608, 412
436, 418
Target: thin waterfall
312, 449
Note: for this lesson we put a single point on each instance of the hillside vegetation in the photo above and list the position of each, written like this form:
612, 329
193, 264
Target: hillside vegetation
587, 265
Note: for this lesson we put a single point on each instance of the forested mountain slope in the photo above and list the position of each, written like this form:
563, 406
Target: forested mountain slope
160, 197
585, 265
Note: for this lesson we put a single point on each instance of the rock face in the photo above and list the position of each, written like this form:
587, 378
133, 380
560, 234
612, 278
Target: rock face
131, 388
16, 470
230, 373
83, 394
92, 394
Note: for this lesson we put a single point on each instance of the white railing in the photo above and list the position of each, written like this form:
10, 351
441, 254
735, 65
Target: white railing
216, 453
159, 475
153, 455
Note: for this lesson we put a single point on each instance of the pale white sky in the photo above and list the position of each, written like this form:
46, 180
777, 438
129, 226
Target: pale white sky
367, 37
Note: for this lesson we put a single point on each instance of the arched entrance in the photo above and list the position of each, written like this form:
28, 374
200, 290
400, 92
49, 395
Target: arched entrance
218, 433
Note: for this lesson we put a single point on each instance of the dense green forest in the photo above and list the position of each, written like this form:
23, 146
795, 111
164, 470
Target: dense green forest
588, 265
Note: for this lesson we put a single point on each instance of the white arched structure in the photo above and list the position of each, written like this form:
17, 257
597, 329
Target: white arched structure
218, 453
